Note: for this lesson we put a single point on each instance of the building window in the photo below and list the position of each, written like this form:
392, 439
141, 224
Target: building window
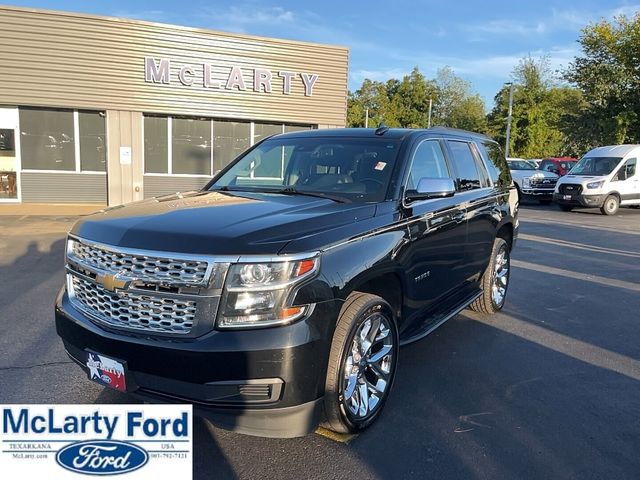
46, 139
49, 142
295, 128
156, 147
191, 146
93, 143
230, 139
263, 130
268, 168
201, 146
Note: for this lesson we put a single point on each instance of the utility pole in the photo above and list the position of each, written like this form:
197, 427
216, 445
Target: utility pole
506, 142
366, 118
430, 109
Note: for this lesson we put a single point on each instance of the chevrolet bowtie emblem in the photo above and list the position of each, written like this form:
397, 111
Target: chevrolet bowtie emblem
111, 281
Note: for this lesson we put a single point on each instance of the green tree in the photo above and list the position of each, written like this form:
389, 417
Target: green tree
608, 74
405, 102
541, 110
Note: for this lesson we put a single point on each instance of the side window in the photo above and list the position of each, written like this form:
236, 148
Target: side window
497, 163
547, 166
428, 161
468, 177
627, 170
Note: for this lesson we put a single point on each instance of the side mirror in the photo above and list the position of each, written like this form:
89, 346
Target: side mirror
431, 188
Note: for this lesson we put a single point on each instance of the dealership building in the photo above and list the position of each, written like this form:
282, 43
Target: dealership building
103, 110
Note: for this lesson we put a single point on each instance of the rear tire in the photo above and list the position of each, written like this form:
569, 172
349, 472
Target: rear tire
361, 369
610, 206
495, 280
566, 208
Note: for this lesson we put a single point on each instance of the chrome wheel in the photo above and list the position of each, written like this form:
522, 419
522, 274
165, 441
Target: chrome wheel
500, 276
367, 367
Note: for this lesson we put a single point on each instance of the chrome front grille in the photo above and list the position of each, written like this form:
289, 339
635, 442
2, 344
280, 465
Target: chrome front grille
146, 291
134, 311
142, 267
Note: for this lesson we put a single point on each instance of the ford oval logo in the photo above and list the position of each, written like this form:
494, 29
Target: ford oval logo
102, 457
105, 378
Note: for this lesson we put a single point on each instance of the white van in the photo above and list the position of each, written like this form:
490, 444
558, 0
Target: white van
606, 178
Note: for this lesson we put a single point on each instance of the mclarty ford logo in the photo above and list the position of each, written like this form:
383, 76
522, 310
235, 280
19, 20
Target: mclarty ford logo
102, 458
143, 441
232, 77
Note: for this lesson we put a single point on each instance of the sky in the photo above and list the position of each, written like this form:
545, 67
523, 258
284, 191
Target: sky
481, 40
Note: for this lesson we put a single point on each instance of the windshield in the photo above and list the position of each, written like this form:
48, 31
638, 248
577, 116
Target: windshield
595, 166
351, 169
520, 165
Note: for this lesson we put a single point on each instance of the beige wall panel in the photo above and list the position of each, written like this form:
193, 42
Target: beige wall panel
72, 60
124, 129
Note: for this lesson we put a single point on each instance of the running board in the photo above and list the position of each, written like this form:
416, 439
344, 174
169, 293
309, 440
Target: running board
448, 316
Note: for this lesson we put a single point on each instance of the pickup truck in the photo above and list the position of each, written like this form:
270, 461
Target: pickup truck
278, 296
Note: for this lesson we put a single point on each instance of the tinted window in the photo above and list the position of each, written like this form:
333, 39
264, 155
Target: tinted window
355, 169
156, 158
627, 170
428, 161
47, 139
465, 166
230, 139
498, 169
595, 165
93, 146
191, 146
547, 166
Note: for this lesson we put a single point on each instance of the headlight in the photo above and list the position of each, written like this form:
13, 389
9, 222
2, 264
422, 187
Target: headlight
526, 182
259, 294
594, 185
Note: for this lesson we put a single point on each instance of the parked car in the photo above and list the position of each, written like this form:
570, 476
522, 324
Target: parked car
275, 304
558, 165
530, 182
605, 178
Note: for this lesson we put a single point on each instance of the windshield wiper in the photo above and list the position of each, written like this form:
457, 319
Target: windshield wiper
294, 191
284, 191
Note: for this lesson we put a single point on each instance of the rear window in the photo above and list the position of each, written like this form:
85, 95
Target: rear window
497, 163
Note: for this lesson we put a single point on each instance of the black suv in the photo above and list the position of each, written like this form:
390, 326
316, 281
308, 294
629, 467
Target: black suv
277, 297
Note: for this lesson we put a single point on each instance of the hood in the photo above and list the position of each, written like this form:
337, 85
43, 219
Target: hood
218, 223
529, 173
582, 179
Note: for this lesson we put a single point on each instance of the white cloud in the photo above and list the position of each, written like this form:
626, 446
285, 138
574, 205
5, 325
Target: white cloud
558, 20
239, 18
148, 15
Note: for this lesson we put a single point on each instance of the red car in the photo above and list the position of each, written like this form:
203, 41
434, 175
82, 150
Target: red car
558, 165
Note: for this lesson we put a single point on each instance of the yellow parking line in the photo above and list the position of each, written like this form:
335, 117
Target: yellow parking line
336, 437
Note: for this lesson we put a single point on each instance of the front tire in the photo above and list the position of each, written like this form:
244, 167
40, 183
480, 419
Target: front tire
610, 206
495, 280
362, 363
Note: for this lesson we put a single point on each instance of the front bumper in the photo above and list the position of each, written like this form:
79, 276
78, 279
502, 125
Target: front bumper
266, 382
579, 200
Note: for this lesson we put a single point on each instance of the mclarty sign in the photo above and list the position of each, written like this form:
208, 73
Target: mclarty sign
229, 77
71, 441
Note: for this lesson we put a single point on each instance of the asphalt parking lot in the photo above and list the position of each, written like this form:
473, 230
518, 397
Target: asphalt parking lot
549, 388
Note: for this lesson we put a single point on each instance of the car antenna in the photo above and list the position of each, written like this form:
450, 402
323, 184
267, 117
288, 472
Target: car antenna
382, 129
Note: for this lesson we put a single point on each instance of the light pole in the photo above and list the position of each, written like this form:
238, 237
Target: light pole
506, 142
